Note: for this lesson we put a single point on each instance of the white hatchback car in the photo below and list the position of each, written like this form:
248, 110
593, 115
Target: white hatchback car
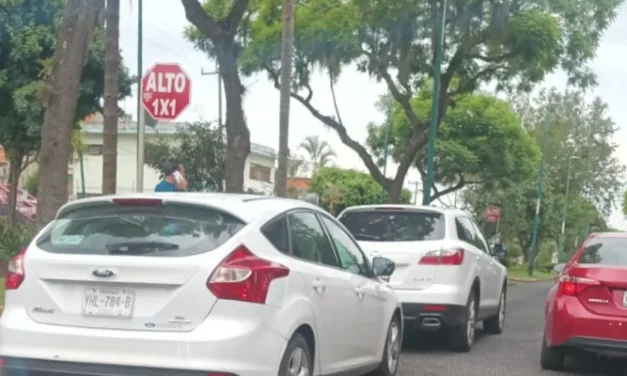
197, 284
446, 275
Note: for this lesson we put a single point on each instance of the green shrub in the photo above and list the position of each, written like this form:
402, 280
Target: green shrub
31, 183
13, 239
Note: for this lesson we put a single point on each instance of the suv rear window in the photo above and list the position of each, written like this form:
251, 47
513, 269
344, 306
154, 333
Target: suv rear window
170, 230
394, 226
605, 251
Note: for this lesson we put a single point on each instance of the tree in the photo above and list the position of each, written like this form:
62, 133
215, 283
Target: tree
625, 203
319, 151
480, 142
295, 167
200, 148
339, 188
280, 182
110, 126
215, 26
70, 88
510, 43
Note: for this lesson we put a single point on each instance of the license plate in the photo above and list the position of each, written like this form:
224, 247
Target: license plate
108, 302
625, 299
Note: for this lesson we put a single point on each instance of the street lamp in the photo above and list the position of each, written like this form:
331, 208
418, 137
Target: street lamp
560, 253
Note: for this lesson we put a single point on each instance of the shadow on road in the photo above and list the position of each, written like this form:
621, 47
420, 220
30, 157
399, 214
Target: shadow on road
591, 365
430, 343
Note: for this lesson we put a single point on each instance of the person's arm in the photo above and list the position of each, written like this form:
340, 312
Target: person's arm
182, 183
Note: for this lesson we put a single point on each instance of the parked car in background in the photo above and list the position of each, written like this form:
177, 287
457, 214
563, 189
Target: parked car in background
586, 308
185, 283
446, 275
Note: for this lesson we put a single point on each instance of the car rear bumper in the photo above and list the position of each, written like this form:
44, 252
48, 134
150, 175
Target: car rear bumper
434, 294
599, 345
35, 367
432, 317
221, 344
570, 324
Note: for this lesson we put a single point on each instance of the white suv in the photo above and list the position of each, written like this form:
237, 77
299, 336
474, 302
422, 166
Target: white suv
446, 275
197, 284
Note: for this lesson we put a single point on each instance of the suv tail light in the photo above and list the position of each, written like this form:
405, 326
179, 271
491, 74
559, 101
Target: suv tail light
443, 257
15, 272
573, 286
245, 277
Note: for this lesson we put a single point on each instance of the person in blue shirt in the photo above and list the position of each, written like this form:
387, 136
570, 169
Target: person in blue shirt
174, 179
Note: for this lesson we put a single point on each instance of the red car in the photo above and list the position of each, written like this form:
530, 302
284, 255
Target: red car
586, 309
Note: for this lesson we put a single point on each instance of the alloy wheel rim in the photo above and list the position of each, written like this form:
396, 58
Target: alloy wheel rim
393, 347
298, 363
470, 325
502, 311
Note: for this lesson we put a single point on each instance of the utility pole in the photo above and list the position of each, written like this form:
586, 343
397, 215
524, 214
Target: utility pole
141, 115
435, 107
210, 73
560, 252
388, 125
536, 220
415, 183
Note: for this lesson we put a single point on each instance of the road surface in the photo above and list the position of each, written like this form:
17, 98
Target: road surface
516, 352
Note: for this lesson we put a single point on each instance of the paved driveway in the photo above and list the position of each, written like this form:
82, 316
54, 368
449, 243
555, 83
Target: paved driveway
516, 352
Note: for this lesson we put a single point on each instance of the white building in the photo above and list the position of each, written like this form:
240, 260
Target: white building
258, 173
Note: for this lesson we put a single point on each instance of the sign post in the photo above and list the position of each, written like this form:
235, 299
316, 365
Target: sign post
165, 94
492, 214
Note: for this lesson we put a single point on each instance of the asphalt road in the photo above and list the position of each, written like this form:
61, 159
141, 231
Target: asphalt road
516, 352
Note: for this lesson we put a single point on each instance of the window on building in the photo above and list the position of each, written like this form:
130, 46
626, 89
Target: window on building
94, 149
260, 173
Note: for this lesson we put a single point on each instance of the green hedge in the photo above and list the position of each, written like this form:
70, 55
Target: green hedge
13, 239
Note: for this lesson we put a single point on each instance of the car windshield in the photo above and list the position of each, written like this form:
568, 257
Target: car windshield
394, 225
605, 251
171, 230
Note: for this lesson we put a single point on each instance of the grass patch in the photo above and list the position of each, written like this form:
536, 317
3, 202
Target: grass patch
521, 272
1, 292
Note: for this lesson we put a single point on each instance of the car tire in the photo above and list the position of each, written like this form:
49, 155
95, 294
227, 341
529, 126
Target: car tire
496, 323
391, 350
462, 336
297, 356
551, 358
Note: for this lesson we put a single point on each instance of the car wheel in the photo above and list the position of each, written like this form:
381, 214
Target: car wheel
495, 324
392, 350
297, 359
463, 336
551, 358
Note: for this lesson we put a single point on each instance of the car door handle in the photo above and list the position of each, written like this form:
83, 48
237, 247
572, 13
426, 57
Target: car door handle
318, 285
360, 292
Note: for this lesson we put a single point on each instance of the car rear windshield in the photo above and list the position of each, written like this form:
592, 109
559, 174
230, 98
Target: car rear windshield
605, 251
394, 226
170, 230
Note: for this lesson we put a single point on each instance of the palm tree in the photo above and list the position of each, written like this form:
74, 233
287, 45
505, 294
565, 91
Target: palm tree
295, 167
320, 152
110, 128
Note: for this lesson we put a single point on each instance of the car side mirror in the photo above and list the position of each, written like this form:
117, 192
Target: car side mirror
558, 268
382, 266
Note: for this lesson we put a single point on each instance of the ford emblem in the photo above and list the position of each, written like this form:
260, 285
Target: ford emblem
103, 272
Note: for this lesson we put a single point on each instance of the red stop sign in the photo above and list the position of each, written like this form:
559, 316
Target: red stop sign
166, 91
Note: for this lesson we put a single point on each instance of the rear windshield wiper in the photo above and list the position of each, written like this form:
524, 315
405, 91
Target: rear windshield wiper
138, 248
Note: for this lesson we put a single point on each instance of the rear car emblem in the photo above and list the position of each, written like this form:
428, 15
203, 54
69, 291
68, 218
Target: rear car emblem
103, 272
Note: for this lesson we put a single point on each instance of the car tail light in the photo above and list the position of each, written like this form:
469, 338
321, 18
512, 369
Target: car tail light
138, 201
245, 277
443, 257
15, 272
573, 286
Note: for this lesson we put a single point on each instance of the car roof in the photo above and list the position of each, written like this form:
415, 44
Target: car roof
444, 211
247, 207
609, 234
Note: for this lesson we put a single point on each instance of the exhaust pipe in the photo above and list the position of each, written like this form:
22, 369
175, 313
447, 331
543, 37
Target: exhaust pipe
431, 322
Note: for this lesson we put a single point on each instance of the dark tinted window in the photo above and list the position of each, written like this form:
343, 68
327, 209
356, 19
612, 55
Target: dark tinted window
276, 233
309, 242
398, 225
350, 256
605, 251
470, 233
170, 230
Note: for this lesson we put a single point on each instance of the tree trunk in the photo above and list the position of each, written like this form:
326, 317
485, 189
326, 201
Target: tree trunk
280, 181
15, 168
110, 128
237, 133
59, 97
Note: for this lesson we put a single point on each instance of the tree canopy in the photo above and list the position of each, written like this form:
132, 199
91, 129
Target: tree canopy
509, 43
480, 142
200, 148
